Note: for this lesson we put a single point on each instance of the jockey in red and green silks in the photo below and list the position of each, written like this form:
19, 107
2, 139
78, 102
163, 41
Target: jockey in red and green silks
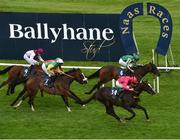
128, 61
52, 66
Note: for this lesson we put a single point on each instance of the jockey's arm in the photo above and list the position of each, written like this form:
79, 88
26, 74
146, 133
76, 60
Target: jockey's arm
40, 58
59, 70
32, 59
129, 61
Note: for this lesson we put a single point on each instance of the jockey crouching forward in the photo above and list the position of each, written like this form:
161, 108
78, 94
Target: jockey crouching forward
30, 57
128, 61
51, 68
126, 83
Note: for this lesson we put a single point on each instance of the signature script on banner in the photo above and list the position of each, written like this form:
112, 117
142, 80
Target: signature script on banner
91, 48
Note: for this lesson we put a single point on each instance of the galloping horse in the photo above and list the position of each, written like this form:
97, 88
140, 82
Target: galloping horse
15, 73
61, 87
128, 101
107, 73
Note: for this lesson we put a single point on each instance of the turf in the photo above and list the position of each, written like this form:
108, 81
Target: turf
51, 119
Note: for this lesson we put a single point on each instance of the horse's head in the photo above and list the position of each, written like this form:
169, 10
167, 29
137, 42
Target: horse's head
152, 67
145, 86
79, 76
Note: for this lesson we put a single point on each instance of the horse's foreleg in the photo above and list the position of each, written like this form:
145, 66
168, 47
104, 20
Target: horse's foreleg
18, 97
129, 109
76, 96
78, 100
31, 103
145, 111
65, 99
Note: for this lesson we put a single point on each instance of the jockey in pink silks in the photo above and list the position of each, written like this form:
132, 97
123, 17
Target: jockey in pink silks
126, 82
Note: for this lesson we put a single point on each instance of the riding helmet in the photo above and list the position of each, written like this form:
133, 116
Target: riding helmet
40, 51
59, 60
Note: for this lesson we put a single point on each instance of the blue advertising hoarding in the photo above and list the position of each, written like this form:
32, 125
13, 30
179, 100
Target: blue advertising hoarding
99, 37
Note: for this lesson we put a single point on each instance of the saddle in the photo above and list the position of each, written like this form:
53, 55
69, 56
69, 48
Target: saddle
117, 95
26, 72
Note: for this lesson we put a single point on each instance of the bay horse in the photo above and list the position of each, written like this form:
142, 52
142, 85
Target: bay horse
128, 101
16, 73
107, 73
61, 87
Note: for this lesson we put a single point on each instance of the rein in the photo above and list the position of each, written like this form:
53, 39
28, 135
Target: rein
67, 75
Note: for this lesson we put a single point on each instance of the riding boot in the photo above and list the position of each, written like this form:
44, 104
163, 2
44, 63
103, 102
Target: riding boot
31, 69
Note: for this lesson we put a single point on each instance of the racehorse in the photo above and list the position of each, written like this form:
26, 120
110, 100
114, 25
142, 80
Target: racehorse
128, 101
107, 73
16, 73
61, 87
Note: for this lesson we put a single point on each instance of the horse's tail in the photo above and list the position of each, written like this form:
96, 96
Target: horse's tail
94, 75
5, 70
88, 100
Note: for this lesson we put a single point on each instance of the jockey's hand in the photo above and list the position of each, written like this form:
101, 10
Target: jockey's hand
52, 73
131, 89
37, 63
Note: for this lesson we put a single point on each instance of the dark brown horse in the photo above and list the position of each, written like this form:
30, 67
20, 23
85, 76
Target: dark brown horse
61, 87
107, 73
15, 73
128, 101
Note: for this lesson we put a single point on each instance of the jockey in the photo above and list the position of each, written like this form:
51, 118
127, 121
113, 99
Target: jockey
51, 68
128, 61
126, 83
30, 56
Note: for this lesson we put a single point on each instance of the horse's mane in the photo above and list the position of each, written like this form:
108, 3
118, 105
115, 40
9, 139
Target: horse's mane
70, 71
137, 67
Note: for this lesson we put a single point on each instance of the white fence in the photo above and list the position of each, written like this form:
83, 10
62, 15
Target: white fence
155, 81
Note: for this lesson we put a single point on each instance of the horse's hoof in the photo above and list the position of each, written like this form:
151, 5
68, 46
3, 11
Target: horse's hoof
14, 106
69, 110
83, 105
127, 119
122, 121
148, 120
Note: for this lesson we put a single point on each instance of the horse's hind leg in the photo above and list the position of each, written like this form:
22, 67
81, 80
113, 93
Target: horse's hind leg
145, 112
110, 111
42, 95
7, 92
16, 82
4, 83
65, 99
20, 102
18, 97
129, 109
97, 86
